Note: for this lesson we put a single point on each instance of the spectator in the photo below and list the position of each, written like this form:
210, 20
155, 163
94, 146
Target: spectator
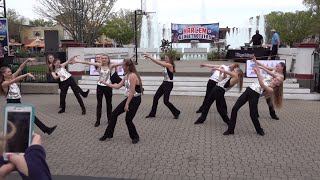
257, 39
31, 166
275, 42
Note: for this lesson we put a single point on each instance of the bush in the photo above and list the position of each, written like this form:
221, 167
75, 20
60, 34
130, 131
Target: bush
216, 55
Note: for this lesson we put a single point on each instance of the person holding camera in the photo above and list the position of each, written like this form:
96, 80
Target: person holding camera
31, 166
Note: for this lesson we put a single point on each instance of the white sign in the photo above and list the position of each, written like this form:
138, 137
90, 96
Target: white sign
269, 63
94, 72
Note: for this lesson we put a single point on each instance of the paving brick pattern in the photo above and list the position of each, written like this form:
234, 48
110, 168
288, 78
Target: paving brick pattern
178, 149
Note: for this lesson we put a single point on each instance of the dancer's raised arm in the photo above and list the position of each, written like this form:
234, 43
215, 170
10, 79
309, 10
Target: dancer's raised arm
68, 61
22, 66
209, 66
114, 65
16, 79
268, 89
161, 63
222, 70
88, 62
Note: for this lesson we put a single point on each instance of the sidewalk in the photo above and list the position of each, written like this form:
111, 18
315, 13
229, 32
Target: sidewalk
178, 149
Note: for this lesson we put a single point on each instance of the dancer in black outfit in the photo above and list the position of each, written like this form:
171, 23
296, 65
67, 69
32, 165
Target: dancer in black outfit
252, 94
217, 93
12, 91
49, 63
133, 90
105, 69
214, 79
166, 86
67, 81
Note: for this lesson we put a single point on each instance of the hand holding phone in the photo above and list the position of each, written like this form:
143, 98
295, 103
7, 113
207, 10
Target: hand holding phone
22, 117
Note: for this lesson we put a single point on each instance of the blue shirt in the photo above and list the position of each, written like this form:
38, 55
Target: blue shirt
275, 39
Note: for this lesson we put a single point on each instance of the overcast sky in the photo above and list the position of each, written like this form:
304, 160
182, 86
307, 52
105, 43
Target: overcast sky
232, 13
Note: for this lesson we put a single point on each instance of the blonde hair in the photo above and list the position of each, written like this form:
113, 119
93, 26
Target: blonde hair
278, 96
4, 138
240, 75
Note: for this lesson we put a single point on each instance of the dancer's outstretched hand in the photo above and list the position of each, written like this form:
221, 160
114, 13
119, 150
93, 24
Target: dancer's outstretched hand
31, 60
146, 55
31, 76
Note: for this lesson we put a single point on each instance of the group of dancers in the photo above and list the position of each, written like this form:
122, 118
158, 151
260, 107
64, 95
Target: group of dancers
222, 80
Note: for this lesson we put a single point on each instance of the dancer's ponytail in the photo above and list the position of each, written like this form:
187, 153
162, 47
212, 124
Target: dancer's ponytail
278, 96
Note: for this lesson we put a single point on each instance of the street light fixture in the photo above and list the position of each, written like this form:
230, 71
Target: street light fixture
4, 8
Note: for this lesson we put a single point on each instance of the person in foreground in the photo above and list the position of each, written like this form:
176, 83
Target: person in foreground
252, 94
31, 166
9, 88
133, 90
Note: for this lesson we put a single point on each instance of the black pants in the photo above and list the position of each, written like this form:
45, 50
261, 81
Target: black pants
253, 98
64, 89
216, 94
210, 85
107, 92
271, 107
133, 108
42, 126
274, 51
165, 90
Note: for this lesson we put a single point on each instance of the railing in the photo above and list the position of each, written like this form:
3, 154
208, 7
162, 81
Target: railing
40, 77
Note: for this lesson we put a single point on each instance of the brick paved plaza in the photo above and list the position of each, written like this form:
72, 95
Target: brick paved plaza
178, 149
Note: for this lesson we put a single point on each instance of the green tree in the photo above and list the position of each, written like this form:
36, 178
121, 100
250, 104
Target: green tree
118, 30
292, 27
15, 20
41, 23
81, 18
120, 26
314, 7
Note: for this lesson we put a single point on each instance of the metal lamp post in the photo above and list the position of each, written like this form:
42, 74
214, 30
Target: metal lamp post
4, 8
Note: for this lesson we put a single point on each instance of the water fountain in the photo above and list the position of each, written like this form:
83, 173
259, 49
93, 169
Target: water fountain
238, 36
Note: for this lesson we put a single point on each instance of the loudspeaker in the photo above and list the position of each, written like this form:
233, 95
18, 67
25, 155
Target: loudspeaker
51, 40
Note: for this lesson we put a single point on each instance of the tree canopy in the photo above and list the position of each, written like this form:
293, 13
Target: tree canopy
120, 26
81, 18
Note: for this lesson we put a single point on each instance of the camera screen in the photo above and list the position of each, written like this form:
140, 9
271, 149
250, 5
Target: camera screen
20, 141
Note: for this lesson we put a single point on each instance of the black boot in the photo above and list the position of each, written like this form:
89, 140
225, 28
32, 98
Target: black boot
97, 123
62, 110
84, 111
50, 130
200, 120
135, 141
149, 116
228, 132
275, 117
104, 137
177, 115
261, 132
86, 93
